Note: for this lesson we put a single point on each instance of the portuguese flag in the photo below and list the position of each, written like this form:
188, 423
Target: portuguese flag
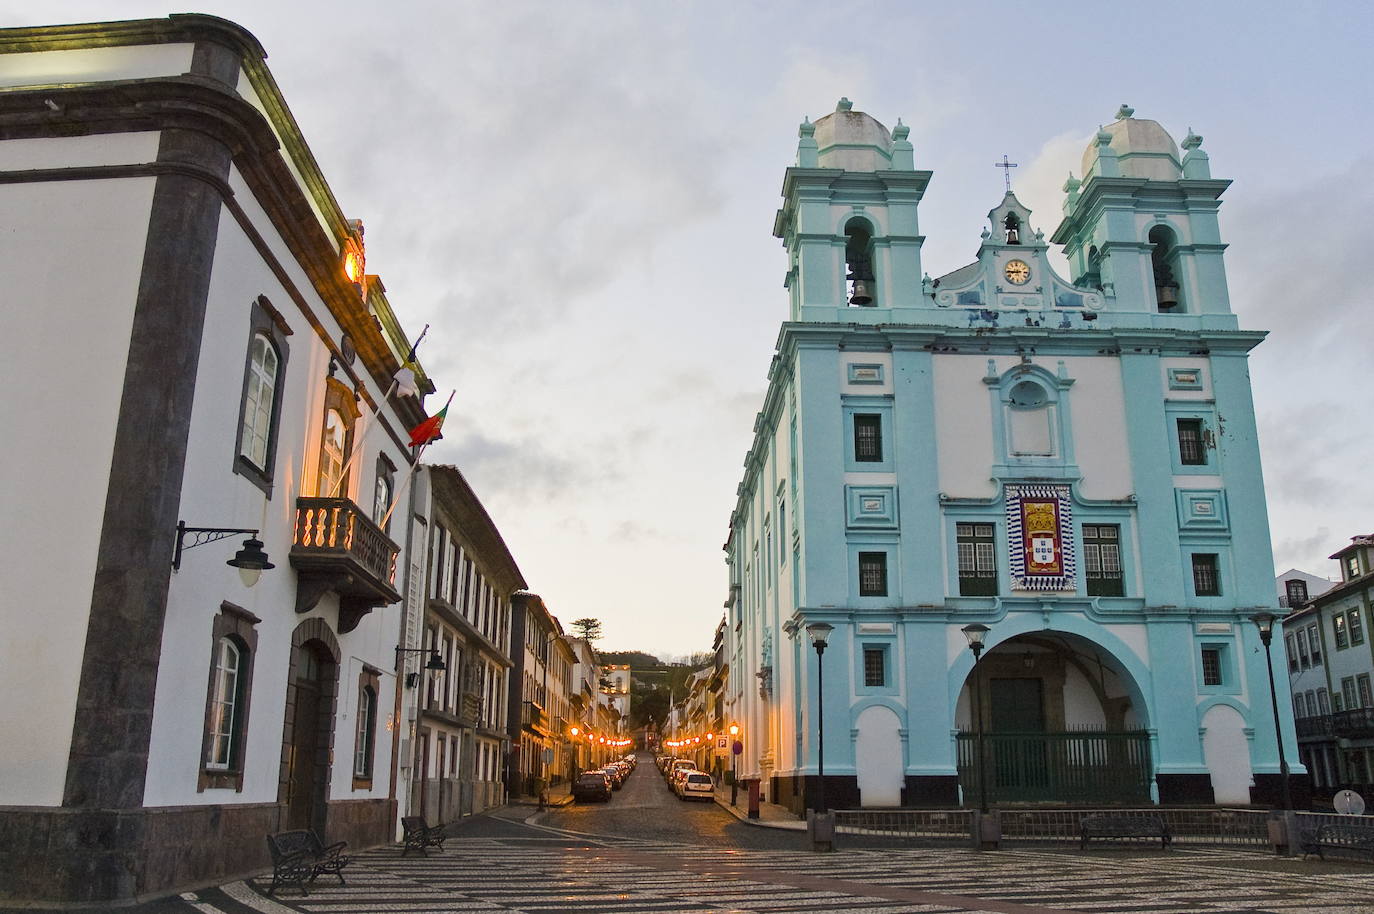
428, 430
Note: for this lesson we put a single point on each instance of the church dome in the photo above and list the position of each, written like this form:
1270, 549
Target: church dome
853, 140
1143, 148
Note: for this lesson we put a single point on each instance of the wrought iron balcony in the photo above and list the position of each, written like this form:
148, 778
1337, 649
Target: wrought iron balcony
1314, 727
1356, 722
337, 547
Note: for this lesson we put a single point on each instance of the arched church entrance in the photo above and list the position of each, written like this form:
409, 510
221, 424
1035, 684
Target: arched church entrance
1060, 722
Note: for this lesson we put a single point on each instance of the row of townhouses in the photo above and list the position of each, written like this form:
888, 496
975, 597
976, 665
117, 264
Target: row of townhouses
269, 613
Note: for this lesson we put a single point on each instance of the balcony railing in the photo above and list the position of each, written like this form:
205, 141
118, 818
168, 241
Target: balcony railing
1356, 722
337, 547
1314, 727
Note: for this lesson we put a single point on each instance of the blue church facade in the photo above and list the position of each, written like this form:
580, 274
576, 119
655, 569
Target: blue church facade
1071, 462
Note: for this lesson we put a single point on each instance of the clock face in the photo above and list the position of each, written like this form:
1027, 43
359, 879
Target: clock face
1017, 272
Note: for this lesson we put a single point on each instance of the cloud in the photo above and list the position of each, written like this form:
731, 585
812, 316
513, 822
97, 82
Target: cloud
1039, 185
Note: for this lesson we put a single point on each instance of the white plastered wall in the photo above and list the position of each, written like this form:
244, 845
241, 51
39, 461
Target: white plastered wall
65, 377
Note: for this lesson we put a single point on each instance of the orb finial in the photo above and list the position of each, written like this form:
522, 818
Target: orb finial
844, 104
1124, 112
806, 128
901, 131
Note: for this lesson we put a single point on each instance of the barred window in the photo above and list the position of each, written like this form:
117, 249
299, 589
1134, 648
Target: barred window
1211, 666
868, 438
872, 574
1206, 581
875, 666
1191, 448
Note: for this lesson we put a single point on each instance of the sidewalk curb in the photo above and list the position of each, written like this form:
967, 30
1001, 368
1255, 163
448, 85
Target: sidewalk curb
743, 816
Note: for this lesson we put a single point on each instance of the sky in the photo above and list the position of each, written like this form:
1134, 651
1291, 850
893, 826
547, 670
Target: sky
578, 197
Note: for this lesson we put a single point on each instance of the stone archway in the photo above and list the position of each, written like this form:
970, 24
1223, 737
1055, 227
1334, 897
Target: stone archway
1062, 720
312, 687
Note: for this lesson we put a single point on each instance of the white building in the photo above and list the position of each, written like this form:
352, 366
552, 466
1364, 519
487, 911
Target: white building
189, 291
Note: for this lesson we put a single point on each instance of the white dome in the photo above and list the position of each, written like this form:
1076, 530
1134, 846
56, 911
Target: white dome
853, 140
1143, 148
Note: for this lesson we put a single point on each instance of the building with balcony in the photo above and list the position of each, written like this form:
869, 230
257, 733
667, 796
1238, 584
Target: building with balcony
538, 689
452, 759
1004, 447
1330, 669
174, 244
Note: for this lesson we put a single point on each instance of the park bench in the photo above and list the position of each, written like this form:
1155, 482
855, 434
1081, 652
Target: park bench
298, 857
419, 835
1352, 839
1123, 827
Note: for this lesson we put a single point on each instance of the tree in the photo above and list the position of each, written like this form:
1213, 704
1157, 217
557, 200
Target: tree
588, 629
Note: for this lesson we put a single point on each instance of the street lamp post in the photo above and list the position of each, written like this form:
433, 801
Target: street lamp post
734, 764
975, 634
820, 634
1264, 621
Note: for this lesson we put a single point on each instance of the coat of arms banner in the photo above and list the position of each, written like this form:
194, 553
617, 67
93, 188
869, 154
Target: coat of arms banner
1040, 537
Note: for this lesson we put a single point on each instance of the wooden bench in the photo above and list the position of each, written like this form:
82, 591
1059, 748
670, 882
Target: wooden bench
298, 857
1123, 827
419, 835
1354, 839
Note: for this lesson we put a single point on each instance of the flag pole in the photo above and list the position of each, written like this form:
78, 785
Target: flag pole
411, 472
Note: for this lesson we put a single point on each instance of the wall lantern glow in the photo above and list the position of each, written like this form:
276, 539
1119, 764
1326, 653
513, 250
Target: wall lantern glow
574, 732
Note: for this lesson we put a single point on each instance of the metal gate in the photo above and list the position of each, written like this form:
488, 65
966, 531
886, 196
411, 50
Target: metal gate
1074, 767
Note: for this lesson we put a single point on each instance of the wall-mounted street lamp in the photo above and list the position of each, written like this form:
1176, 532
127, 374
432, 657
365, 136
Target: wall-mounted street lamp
975, 634
435, 665
251, 561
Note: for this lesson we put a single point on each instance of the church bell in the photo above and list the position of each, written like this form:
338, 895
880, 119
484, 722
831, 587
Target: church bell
863, 292
1167, 295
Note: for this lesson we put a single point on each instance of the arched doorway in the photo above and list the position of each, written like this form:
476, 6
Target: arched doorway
1062, 721
879, 758
307, 737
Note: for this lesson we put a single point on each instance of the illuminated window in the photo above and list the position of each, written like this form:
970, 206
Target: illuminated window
332, 445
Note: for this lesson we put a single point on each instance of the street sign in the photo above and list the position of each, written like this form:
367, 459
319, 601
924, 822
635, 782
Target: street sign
737, 748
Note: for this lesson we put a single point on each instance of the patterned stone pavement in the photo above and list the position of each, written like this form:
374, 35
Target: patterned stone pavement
552, 873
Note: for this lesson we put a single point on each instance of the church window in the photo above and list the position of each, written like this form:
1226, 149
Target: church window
1314, 641
1027, 395
1206, 580
875, 666
872, 574
1164, 259
1211, 666
1102, 560
1338, 629
858, 255
977, 560
1192, 450
1356, 627
868, 438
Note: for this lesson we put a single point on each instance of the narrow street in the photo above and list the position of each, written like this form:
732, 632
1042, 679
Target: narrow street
646, 851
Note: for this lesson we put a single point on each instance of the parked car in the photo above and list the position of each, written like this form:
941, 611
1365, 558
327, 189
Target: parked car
616, 776
696, 784
592, 785
679, 774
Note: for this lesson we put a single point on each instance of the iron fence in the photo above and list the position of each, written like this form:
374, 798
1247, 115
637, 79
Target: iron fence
942, 825
1079, 766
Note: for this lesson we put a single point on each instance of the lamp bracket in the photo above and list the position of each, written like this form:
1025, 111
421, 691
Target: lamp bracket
200, 536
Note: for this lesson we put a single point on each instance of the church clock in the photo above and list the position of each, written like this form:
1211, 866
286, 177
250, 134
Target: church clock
1017, 272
